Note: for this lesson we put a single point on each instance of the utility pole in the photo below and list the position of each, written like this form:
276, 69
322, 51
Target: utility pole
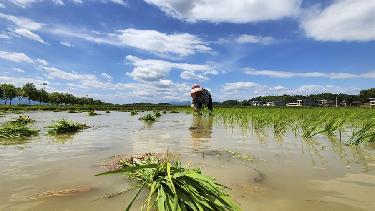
336, 102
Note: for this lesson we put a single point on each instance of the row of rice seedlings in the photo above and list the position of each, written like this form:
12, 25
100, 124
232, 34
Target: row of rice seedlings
65, 127
308, 122
173, 187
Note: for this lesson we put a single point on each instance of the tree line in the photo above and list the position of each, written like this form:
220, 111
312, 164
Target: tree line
8, 92
362, 97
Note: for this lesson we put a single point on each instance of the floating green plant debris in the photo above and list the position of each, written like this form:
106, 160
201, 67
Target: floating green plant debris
12, 130
171, 186
241, 156
148, 118
65, 127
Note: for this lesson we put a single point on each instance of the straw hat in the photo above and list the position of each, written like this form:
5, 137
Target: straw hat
195, 88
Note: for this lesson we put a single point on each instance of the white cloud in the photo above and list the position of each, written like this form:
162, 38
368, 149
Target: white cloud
106, 76
17, 69
179, 44
26, 3
4, 36
42, 62
239, 11
246, 90
2, 6
248, 38
182, 44
30, 35
236, 86
19, 81
155, 70
343, 20
67, 44
331, 75
22, 22
15, 57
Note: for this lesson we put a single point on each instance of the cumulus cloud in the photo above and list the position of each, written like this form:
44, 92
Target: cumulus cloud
331, 75
343, 20
155, 70
15, 57
181, 44
30, 35
239, 11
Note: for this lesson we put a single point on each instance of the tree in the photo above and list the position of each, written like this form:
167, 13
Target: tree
29, 91
9, 92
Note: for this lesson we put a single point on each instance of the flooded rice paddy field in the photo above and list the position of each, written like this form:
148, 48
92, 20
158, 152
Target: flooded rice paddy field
289, 173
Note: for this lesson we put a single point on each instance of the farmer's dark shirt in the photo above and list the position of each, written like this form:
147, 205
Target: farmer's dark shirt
203, 99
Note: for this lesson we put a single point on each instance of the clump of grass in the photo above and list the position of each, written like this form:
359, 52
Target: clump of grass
164, 112
92, 113
173, 187
157, 114
23, 119
148, 118
174, 112
72, 111
107, 112
66, 127
12, 130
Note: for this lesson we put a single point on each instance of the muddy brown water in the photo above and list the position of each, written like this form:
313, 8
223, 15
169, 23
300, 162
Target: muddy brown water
57, 173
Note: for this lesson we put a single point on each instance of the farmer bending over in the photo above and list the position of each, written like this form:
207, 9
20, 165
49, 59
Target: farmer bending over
201, 97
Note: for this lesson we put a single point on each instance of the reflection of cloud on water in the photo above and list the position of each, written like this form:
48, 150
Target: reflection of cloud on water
354, 190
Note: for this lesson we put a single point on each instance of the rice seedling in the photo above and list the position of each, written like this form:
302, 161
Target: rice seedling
173, 187
148, 118
365, 134
107, 112
133, 113
157, 114
12, 130
66, 127
164, 112
92, 113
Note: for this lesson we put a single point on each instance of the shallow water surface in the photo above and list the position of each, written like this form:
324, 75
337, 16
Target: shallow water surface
57, 173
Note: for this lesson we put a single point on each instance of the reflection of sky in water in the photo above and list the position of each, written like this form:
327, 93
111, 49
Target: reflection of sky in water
299, 173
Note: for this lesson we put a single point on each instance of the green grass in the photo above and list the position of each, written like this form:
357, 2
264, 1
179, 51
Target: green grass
23, 119
92, 113
65, 127
173, 187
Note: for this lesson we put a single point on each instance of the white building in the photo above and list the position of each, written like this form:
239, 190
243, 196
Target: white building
297, 104
269, 104
372, 102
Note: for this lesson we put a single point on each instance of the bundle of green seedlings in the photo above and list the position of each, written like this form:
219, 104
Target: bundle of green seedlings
17, 128
23, 119
65, 127
148, 118
171, 186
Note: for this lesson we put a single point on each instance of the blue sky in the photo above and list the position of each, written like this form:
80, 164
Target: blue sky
125, 51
